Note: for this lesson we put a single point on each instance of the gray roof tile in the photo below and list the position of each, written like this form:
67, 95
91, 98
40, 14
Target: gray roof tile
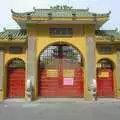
14, 33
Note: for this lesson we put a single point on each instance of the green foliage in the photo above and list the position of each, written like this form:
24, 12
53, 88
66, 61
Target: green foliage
16, 63
48, 61
72, 55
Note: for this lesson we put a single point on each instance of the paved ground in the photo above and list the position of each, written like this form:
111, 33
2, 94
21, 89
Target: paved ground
61, 109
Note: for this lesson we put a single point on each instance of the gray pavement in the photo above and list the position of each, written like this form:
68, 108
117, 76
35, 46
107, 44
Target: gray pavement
61, 109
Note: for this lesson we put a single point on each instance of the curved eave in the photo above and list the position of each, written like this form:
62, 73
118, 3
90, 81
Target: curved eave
45, 20
106, 40
21, 41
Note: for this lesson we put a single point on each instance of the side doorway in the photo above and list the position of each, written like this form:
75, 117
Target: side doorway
105, 81
16, 78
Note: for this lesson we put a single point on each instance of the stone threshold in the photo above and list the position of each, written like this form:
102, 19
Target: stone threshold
59, 100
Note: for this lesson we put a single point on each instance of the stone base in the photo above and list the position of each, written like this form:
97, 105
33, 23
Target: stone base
88, 97
1, 95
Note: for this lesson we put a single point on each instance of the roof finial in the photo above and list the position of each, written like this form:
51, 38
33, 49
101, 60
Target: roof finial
34, 8
116, 29
12, 11
4, 29
87, 8
119, 30
109, 12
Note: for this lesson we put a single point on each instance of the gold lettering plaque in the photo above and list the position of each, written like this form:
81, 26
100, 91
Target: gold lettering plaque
52, 73
68, 73
104, 74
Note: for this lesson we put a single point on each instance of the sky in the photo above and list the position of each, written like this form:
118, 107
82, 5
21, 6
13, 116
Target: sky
98, 6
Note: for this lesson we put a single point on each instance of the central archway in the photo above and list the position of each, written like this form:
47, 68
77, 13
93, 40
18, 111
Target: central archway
60, 72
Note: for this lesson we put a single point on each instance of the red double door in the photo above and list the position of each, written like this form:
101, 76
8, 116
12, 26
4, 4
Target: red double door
105, 85
16, 82
60, 86
63, 77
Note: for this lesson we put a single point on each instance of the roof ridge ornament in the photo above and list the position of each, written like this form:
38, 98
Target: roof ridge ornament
34, 8
109, 12
12, 11
4, 29
61, 7
116, 29
87, 9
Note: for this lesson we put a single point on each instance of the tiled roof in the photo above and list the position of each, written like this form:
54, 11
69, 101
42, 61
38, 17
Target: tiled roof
109, 33
21, 34
59, 13
13, 34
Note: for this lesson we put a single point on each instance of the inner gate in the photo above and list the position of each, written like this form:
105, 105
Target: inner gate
60, 72
105, 82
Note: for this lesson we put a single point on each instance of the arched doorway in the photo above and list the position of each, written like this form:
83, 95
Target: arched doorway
105, 83
60, 72
16, 78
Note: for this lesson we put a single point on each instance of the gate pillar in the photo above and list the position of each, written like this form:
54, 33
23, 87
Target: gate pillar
1, 73
31, 67
90, 66
118, 74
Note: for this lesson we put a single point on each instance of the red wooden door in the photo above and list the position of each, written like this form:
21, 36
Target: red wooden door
105, 82
60, 86
16, 82
62, 77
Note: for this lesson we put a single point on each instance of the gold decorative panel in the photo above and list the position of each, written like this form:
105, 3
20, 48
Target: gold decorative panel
104, 74
68, 73
52, 73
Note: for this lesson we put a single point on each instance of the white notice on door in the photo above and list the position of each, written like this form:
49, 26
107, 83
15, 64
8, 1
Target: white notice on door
68, 81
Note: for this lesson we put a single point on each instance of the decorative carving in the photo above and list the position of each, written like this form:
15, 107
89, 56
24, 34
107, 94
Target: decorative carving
112, 38
61, 7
